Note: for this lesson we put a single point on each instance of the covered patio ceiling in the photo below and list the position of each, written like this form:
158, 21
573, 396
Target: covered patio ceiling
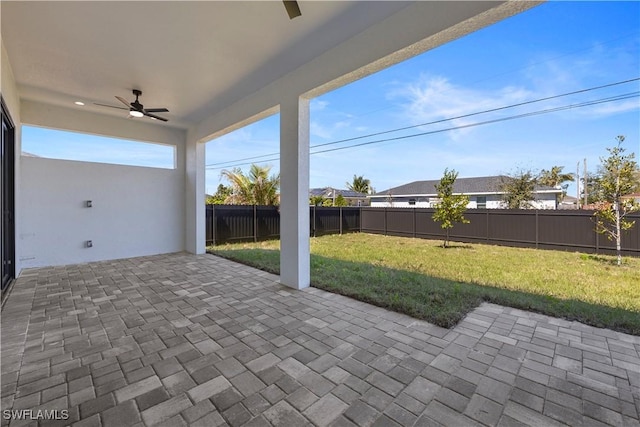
198, 58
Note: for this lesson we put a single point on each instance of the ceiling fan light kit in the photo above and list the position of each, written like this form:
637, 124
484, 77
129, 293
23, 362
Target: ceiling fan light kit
136, 109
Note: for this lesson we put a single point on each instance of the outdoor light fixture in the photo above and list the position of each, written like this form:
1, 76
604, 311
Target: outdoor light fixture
136, 113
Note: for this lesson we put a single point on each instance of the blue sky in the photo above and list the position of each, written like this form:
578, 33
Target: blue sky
555, 48
552, 49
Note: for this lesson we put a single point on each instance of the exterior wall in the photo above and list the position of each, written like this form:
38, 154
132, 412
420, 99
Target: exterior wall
544, 201
136, 211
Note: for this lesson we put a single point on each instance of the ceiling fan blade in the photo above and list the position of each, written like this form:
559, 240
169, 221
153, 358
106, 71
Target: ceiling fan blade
156, 110
124, 101
153, 116
110, 106
292, 8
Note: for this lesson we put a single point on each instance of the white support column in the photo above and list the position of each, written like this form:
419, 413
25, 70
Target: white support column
195, 227
294, 193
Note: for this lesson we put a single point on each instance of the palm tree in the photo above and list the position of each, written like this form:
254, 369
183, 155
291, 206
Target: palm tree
554, 177
359, 184
256, 188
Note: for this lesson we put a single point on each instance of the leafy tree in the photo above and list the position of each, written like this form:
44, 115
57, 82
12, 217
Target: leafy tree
518, 189
594, 190
360, 184
555, 178
220, 197
256, 188
316, 200
340, 201
389, 199
617, 179
451, 207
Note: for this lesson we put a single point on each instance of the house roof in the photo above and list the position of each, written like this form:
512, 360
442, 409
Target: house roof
476, 185
325, 192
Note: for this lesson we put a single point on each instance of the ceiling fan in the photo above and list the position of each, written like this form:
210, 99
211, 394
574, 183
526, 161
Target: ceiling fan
293, 9
136, 109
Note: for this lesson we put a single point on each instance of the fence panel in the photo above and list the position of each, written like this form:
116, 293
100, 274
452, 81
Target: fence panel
567, 229
373, 220
234, 223
268, 222
327, 220
513, 228
545, 229
350, 219
476, 231
400, 222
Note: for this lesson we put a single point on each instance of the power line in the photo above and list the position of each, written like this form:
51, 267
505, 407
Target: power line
531, 65
492, 110
502, 119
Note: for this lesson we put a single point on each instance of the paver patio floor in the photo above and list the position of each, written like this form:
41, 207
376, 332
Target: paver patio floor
182, 339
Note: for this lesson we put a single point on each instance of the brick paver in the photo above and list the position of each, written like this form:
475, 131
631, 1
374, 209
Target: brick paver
197, 340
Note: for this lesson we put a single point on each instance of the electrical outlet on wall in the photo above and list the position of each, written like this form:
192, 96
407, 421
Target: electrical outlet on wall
89, 244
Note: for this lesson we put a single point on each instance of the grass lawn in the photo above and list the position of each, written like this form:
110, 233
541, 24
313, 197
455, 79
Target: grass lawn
420, 278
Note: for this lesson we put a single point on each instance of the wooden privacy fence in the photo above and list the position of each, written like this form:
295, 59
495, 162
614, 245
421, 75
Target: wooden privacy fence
572, 230
235, 223
543, 229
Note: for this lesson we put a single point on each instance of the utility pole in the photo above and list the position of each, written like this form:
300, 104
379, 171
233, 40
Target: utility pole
578, 185
585, 181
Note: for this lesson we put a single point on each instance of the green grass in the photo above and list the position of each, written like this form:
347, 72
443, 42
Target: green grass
420, 278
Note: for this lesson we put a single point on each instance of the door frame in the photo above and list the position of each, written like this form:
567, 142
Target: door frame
7, 203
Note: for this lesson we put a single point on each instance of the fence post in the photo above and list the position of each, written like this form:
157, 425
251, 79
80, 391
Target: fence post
414, 222
385, 221
314, 220
537, 238
255, 223
486, 212
340, 214
360, 219
213, 224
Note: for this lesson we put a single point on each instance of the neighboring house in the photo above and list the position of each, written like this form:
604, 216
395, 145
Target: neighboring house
353, 198
632, 196
568, 203
483, 192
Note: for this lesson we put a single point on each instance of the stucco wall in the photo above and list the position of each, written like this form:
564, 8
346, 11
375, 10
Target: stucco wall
136, 211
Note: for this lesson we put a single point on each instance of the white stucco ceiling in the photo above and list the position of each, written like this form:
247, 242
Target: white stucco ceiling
194, 58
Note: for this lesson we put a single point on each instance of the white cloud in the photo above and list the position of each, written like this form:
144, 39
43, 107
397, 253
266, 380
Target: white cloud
435, 98
316, 129
317, 105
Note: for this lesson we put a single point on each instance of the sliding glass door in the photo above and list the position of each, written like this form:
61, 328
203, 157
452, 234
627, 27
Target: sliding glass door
7, 200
